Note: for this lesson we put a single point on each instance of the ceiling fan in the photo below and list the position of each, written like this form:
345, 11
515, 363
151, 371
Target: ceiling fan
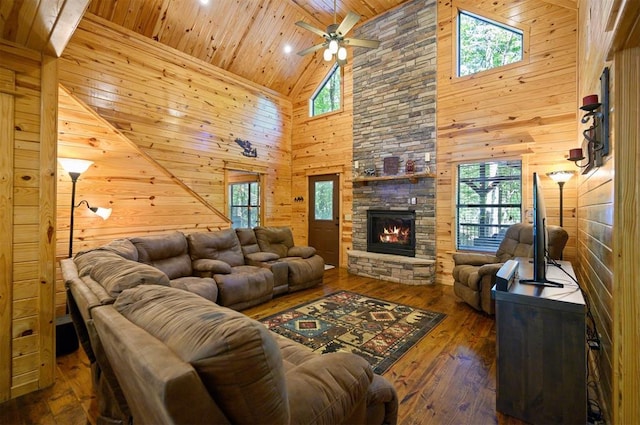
334, 38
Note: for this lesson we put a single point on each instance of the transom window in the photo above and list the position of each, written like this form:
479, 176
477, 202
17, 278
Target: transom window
244, 205
489, 201
485, 44
327, 97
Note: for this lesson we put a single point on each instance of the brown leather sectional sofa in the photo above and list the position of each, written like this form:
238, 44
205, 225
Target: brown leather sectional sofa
164, 350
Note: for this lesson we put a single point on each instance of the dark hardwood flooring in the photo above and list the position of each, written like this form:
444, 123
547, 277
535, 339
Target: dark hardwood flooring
447, 378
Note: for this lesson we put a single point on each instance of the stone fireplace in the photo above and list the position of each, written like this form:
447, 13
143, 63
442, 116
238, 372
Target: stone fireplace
394, 104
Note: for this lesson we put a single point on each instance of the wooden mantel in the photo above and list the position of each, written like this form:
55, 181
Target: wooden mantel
413, 178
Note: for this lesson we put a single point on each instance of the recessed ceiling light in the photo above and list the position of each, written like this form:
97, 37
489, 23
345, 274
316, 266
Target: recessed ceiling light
288, 49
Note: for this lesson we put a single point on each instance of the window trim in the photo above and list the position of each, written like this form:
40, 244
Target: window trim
456, 194
249, 206
335, 67
490, 17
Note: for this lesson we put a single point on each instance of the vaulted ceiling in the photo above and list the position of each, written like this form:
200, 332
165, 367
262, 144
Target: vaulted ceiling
245, 37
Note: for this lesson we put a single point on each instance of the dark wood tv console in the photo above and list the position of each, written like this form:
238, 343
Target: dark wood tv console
541, 349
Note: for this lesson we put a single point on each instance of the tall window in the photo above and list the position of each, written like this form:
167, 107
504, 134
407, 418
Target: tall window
485, 44
489, 201
244, 204
327, 96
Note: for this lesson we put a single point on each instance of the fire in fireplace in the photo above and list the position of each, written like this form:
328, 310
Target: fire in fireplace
391, 232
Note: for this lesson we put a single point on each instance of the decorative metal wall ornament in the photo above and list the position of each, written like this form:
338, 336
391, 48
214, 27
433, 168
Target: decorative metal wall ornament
247, 149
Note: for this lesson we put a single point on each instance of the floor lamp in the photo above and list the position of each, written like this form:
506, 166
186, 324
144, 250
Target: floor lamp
74, 167
561, 177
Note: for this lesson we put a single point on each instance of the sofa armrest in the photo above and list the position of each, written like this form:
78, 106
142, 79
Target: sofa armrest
328, 388
301, 251
474, 259
206, 267
261, 257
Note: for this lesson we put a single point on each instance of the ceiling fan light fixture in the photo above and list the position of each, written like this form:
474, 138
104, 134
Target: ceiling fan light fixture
342, 53
327, 55
333, 47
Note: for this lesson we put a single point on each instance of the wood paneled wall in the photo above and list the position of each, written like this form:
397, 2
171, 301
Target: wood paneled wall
28, 104
160, 127
323, 145
595, 192
526, 111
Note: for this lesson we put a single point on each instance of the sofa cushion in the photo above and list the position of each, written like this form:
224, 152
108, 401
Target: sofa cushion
204, 286
262, 257
274, 239
236, 357
205, 267
168, 253
118, 274
248, 241
221, 245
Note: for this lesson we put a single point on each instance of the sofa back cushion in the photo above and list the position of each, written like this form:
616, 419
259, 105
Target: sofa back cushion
221, 245
168, 253
274, 239
248, 241
236, 357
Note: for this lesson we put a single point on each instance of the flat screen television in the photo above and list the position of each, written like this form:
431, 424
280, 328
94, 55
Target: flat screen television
540, 239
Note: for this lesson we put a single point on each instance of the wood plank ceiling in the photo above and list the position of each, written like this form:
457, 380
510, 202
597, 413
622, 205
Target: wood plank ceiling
244, 37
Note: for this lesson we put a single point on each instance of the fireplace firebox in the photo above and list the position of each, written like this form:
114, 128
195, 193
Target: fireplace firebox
391, 232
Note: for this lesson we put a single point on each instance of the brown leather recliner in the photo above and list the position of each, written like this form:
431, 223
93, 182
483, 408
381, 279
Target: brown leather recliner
305, 267
474, 274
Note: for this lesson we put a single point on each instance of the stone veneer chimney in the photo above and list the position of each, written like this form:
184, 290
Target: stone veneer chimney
394, 107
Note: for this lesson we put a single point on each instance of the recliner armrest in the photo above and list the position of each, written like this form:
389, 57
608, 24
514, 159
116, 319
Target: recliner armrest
489, 269
301, 251
474, 259
206, 267
261, 257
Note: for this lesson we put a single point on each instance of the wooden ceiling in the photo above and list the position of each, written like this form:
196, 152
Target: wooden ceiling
244, 37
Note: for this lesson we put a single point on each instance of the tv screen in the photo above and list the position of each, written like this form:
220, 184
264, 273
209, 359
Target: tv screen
539, 239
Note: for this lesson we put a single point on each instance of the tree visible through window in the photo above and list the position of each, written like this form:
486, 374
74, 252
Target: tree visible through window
244, 204
489, 201
327, 97
484, 44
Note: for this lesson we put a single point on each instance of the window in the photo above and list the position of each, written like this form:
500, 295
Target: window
245, 204
485, 44
327, 97
489, 201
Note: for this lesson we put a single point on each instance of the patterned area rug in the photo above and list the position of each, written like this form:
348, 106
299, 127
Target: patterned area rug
380, 331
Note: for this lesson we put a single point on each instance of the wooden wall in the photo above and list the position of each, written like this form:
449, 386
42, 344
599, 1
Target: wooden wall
526, 111
595, 192
609, 203
322, 145
160, 127
28, 99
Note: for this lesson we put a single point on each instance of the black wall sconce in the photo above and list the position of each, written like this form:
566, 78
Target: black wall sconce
596, 137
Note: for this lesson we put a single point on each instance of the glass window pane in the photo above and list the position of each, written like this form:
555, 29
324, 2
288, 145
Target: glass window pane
327, 97
244, 204
489, 201
484, 44
324, 200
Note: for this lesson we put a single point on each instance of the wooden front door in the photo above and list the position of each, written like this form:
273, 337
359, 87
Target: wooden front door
324, 217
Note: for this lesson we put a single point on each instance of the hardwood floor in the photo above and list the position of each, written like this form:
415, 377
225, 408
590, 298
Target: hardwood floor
447, 378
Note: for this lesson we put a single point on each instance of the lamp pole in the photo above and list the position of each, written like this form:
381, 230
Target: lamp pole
74, 180
561, 185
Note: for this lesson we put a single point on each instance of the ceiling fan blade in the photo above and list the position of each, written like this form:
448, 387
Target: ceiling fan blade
359, 42
311, 49
349, 22
303, 24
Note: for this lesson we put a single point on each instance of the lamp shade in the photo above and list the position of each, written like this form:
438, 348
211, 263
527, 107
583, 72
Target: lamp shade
73, 165
561, 176
327, 55
342, 53
333, 47
103, 213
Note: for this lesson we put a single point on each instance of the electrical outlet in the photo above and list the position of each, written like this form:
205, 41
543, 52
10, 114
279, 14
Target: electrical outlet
427, 157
